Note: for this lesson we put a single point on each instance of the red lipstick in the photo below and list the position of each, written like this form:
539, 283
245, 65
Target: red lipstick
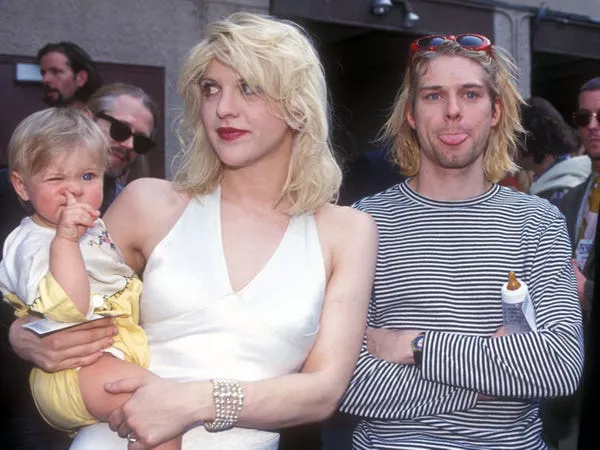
229, 133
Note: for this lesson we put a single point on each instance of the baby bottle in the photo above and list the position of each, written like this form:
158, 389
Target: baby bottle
514, 297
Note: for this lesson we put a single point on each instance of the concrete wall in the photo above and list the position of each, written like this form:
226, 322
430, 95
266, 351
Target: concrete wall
511, 32
144, 32
584, 7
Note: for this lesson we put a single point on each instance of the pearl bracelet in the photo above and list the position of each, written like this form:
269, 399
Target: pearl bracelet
229, 399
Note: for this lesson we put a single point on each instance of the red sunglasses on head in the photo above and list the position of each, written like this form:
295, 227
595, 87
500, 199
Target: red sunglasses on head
473, 42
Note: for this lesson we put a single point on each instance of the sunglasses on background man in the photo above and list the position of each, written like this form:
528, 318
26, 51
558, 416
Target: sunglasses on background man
120, 132
584, 118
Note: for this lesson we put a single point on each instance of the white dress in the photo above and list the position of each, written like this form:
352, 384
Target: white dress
199, 328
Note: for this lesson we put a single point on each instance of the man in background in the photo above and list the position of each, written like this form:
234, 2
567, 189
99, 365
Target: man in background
69, 75
550, 150
580, 207
128, 117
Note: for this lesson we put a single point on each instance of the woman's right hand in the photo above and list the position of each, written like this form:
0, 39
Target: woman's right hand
66, 349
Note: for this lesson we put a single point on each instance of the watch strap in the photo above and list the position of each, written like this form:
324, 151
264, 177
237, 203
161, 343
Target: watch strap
417, 348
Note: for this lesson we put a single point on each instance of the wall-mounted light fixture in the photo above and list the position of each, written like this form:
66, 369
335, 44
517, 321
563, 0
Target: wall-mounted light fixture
28, 73
410, 17
383, 7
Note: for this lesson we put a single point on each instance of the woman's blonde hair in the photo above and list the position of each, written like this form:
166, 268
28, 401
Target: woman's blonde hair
52, 132
276, 59
501, 75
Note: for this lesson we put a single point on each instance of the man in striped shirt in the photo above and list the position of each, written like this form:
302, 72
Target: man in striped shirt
436, 370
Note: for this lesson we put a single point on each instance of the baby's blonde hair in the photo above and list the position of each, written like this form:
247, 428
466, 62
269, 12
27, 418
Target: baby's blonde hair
53, 132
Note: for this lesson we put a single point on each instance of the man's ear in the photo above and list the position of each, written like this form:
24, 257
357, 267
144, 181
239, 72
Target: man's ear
81, 78
496, 111
17, 181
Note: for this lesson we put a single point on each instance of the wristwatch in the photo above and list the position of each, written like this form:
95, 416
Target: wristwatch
417, 348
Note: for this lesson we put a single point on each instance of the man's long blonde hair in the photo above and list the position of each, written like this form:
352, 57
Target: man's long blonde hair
501, 75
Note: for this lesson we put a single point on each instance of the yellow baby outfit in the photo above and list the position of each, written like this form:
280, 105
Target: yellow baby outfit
26, 283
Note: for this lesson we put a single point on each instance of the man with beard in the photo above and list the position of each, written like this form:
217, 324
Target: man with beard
69, 75
437, 370
580, 206
128, 117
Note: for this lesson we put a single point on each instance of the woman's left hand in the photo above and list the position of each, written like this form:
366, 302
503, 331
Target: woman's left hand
158, 409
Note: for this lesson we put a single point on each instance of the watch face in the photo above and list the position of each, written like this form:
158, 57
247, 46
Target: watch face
417, 343
417, 348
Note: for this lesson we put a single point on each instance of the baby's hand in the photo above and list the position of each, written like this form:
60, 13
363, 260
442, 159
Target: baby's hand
75, 218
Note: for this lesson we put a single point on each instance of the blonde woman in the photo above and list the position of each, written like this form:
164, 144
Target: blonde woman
255, 286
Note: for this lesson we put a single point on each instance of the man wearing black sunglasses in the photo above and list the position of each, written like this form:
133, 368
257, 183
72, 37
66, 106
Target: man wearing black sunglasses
128, 117
580, 205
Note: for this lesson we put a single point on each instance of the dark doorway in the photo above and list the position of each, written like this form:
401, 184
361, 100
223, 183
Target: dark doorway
364, 55
558, 77
564, 54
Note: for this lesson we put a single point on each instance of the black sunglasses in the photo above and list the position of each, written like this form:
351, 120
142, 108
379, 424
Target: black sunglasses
583, 118
120, 132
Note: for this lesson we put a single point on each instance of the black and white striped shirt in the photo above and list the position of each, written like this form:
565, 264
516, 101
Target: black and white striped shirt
440, 268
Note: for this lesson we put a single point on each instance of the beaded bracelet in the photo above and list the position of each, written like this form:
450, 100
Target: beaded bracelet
229, 399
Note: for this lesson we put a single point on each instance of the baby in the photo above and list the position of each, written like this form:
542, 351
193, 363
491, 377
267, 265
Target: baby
60, 262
